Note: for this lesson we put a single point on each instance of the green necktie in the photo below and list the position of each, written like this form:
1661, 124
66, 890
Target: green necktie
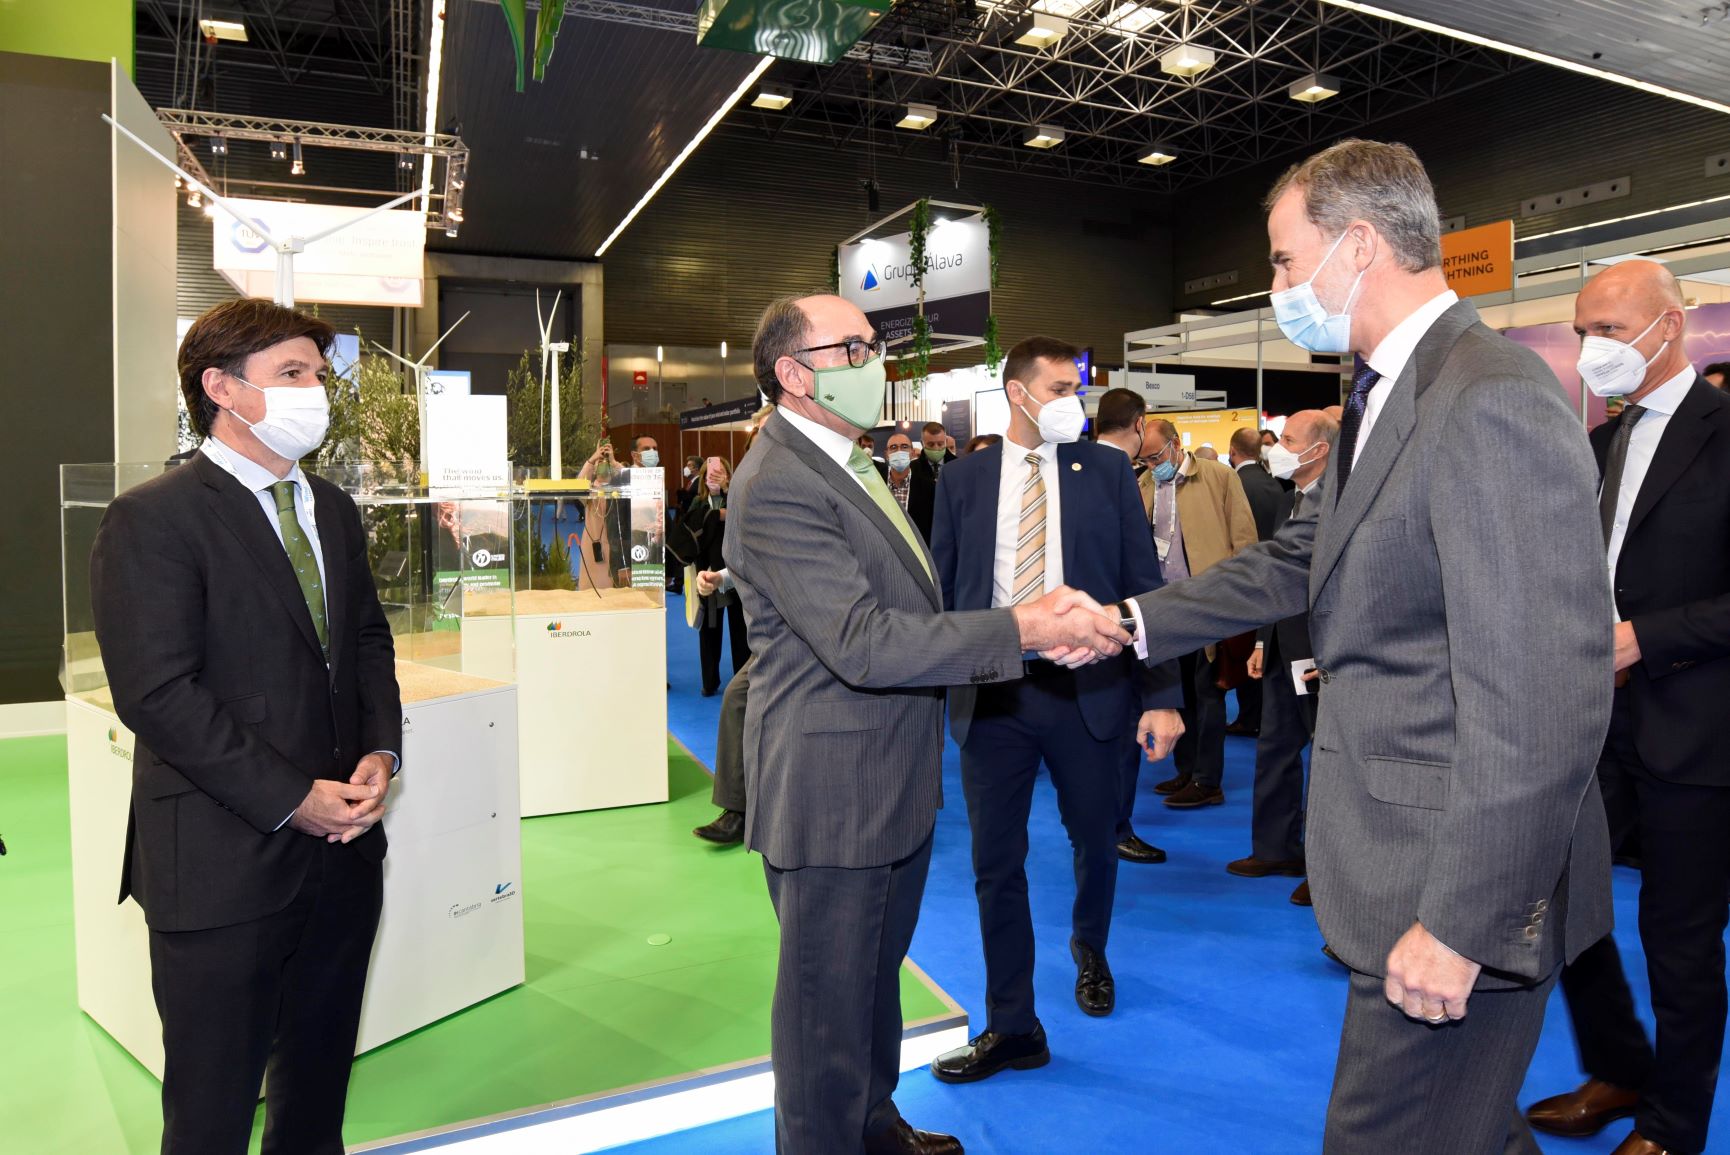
860, 462
300, 555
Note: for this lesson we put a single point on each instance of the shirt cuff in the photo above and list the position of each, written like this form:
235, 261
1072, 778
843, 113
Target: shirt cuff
284, 822
395, 760
1140, 629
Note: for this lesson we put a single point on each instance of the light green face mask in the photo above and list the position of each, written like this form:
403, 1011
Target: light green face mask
853, 395
935, 456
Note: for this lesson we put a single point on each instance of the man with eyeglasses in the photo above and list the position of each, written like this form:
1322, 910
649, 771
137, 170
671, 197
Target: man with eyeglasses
851, 643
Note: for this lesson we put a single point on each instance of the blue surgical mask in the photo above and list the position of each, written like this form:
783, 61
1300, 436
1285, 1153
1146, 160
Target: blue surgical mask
1306, 322
1164, 472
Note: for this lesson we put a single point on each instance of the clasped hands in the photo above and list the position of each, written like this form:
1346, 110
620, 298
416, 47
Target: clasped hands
343, 811
1070, 628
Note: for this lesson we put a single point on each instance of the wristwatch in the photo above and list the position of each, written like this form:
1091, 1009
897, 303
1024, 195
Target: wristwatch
1126, 619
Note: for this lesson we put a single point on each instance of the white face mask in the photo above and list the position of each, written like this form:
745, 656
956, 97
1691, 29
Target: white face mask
1060, 420
1306, 322
1282, 462
295, 419
1610, 368
900, 459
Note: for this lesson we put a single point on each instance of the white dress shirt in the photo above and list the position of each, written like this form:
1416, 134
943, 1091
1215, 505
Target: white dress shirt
259, 479
1660, 405
1009, 490
1390, 357
836, 446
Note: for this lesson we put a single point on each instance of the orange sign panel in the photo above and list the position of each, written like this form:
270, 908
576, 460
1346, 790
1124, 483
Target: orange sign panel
1479, 260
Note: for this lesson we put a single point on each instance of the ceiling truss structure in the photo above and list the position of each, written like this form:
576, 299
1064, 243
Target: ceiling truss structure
1105, 87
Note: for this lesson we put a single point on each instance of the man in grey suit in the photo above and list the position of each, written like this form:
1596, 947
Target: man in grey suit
1460, 614
850, 644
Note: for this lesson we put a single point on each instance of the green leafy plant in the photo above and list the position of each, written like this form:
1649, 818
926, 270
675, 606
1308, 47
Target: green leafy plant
374, 418
919, 361
993, 350
918, 229
835, 269
993, 234
528, 437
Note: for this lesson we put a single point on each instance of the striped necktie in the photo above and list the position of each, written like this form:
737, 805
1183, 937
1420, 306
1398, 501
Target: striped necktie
1029, 578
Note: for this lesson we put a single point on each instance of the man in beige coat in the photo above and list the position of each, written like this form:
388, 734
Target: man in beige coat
1200, 517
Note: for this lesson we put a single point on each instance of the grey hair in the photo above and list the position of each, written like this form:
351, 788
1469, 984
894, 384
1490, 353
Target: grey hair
1384, 184
781, 332
1324, 427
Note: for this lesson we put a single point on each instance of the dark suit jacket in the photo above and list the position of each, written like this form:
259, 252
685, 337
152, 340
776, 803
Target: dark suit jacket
1672, 582
1107, 553
214, 664
850, 646
1293, 632
1269, 503
1460, 611
922, 492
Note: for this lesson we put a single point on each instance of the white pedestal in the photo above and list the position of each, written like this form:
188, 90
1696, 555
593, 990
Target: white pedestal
591, 703
451, 932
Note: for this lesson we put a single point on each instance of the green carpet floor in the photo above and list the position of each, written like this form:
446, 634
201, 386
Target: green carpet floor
602, 1008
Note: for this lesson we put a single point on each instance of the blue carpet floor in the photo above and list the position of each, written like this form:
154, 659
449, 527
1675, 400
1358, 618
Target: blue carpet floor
1228, 1014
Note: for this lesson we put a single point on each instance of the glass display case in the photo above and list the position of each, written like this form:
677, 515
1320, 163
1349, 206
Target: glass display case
453, 823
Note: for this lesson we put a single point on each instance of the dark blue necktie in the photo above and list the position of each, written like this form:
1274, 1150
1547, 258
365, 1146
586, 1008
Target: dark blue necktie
1363, 380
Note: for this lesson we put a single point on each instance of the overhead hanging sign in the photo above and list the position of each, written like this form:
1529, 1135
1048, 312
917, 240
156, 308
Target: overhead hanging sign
1479, 260
877, 276
376, 261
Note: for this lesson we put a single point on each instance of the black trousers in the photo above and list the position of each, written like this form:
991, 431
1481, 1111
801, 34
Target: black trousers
1249, 706
835, 1023
1016, 725
709, 630
1685, 865
1201, 751
729, 792
275, 1000
1287, 721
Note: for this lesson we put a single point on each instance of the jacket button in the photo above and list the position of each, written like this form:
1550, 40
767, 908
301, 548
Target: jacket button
1541, 905
336, 752
1532, 932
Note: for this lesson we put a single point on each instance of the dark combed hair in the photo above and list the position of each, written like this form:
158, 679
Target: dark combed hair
1119, 409
780, 333
224, 337
1722, 367
932, 427
1019, 364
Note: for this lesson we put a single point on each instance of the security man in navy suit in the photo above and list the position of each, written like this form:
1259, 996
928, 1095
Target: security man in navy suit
1012, 522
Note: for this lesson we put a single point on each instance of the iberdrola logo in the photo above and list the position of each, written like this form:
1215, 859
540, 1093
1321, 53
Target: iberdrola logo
555, 627
113, 734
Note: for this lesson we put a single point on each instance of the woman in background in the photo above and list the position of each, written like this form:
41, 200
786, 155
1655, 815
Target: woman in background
708, 517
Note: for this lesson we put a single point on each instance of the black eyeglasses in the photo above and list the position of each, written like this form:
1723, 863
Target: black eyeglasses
858, 352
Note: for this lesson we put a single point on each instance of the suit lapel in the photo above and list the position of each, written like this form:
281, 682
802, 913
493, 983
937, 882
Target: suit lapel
238, 509
335, 550
1684, 436
1070, 479
843, 483
983, 519
1393, 426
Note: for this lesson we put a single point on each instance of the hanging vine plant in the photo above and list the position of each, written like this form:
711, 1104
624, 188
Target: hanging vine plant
993, 233
835, 269
919, 362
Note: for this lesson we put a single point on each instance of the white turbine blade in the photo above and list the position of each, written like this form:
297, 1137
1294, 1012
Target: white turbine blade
404, 199
440, 341
394, 357
552, 318
194, 183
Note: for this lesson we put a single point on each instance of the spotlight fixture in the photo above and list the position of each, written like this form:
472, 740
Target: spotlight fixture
919, 116
772, 97
1041, 30
455, 215
223, 30
1186, 60
194, 199
210, 210
278, 150
450, 230
1043, 136
405, 161
298, 168
1157, 155
219, 145
1314, 88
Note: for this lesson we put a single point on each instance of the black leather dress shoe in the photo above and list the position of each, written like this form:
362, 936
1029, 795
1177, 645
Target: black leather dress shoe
990, 1053
1133, 849
1194, 796
1095, 992
905, 1139
728, 828
1243, 730
1172, 785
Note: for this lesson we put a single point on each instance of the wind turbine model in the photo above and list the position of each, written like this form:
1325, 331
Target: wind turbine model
550, 351
420, 381
285, 247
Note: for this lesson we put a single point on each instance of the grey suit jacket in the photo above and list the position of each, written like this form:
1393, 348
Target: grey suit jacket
1460, 609
849, 644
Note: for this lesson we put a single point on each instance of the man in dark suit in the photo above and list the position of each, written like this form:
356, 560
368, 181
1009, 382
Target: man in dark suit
244, 645
1014, 522
1269, 504
1288, 716
1456, 839
850, 645
1665, 510
927, 468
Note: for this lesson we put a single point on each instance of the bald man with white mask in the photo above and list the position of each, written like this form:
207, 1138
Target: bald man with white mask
1665, 510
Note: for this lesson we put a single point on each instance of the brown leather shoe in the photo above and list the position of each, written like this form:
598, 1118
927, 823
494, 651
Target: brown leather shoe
1636, 1144
1301, 896
1253, 867
1196, 795
1172, 785
905, 1139
1585, 1111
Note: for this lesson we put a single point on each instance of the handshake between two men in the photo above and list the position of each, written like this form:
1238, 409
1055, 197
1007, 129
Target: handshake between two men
1068, 627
